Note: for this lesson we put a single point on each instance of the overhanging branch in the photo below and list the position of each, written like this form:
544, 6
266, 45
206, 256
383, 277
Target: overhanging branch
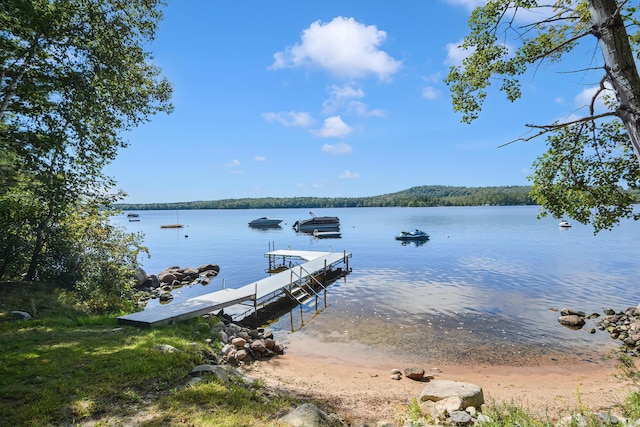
550, 128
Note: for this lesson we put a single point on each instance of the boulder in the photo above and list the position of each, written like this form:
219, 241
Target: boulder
167, 277
140, 276
414, 373
469, 394
20, 315
216, 370
190, 273
572, 321
308, 415
209, 267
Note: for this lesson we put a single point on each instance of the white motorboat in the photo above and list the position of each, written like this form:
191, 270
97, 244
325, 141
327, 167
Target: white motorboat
564, 224
320, 223
265, 221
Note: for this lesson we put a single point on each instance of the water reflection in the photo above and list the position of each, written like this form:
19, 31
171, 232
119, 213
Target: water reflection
486, 283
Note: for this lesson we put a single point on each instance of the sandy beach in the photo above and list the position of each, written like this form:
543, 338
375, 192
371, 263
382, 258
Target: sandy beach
358, 387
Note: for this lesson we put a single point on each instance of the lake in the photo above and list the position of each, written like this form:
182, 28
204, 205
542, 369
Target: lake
482, 289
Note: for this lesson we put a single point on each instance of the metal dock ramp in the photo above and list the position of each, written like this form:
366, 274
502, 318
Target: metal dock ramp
316, 263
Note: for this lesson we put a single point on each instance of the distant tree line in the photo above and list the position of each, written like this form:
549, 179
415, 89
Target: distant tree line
421, 196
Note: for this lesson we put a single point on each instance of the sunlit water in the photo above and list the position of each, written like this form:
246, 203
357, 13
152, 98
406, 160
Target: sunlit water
481, 289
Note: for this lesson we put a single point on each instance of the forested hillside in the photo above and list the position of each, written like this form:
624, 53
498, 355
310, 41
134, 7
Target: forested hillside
421, 196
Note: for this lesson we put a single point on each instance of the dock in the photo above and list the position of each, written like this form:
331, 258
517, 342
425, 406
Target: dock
298, 273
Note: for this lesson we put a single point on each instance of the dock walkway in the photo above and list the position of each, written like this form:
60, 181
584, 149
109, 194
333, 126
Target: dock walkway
314, 263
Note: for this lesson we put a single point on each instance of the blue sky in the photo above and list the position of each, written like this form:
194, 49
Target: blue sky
330, 99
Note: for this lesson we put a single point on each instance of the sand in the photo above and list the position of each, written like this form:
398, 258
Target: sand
357, 386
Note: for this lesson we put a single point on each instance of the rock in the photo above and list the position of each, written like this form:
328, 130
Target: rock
217, 328
216, 370
258, 346
238, 342
140, 277
469, 394
571, 321
241, 355
165, 348
166, 296
448, 405
20, 315
460, 418
209, 267
190, 273
308, 415
396, 376
414, 373
571, 312
396, 371
167, 277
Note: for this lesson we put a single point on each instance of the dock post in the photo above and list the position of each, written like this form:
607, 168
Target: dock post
255, 307
346, 261
223, 283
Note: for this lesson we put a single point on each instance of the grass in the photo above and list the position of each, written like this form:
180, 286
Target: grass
67, 369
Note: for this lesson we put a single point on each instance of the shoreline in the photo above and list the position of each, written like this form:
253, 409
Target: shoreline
358, 387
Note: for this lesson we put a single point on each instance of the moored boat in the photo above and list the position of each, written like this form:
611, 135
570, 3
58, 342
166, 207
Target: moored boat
326, 234
265, 221
320, 223
412, 235
564, 224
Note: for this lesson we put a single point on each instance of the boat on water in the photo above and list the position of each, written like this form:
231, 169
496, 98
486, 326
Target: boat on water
320, 223
326, 234
412, 235
133, 215
564, 224
265, 221
176, 225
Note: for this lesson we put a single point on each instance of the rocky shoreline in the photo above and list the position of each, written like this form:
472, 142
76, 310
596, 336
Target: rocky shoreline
160, 286
621, 325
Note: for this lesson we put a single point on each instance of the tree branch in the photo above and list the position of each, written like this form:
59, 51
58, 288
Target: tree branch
556, 126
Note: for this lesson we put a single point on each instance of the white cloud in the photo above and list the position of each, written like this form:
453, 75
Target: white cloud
362, 109
429, 92
559, 100
467, 4
339, 148
349, 175
260, 158
585, 98
290, 118
233, 164
343, 47
333, 127
342, 98
455, 53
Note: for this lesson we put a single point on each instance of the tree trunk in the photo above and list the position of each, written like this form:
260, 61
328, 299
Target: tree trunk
620, 66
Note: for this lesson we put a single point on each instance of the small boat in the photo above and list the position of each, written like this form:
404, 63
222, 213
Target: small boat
320, 223
176, 225
265, 221
564, 224
412, 235
326, 234
133, 215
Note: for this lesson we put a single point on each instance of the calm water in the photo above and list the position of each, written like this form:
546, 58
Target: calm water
481, 289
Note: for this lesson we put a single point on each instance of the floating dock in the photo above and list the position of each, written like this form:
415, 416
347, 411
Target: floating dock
297, 274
